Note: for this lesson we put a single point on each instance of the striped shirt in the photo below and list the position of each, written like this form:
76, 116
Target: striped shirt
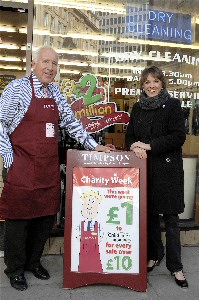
14, 103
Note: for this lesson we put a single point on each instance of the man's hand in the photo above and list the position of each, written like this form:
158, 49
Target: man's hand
107, 148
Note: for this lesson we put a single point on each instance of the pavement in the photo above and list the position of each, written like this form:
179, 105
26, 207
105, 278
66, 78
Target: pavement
161, 285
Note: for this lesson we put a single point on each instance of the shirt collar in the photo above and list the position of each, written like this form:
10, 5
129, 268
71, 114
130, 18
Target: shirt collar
38, 85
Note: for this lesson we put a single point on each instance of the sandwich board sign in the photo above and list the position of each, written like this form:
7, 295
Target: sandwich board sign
105, 224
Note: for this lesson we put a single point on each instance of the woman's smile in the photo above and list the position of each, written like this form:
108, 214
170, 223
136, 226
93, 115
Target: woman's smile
152, 86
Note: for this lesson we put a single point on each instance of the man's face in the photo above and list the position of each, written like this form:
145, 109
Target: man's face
90, 208
46, 66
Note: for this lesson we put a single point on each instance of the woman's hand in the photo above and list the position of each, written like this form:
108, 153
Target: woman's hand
139, 152
140, 145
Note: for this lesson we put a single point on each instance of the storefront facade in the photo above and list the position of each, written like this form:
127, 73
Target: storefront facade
103, 47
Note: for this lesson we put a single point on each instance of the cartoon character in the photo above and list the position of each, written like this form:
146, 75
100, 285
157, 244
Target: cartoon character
89, 257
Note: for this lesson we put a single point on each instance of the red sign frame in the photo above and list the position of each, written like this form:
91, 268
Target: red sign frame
93, 159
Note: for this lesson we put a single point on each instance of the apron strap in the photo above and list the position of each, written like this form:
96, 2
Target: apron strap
33, 90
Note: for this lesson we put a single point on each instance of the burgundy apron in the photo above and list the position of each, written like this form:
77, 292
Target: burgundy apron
89, 257
32, 187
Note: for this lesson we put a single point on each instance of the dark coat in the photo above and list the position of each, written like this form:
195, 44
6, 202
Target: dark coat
164, 129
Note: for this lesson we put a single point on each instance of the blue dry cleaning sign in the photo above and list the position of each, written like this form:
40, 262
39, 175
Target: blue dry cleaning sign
159, 25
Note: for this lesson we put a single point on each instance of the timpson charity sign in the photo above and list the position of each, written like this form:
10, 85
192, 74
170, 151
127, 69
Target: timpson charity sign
105, 228
105, 213
89, 104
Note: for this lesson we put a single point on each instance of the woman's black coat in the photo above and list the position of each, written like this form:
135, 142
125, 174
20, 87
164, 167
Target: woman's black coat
163, 128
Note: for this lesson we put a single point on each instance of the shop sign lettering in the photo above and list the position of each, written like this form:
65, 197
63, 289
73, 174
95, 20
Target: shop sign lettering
166, 56
181, 95
160, 25
105, 159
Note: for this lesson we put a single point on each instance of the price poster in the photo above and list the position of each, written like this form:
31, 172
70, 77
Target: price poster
105, 218
105, 221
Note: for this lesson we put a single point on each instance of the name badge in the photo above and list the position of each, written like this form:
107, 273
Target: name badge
50, 130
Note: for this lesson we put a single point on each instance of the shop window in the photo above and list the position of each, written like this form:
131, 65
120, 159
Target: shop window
45, 40
63, 20
59, 44
59, 27
135, 18
130, 48
51, 41
46, 20
52, 24
65, 29
140, 17
86, 45
144, 17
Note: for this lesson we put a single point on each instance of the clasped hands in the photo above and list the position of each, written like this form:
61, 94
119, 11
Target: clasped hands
140, 149
108, 148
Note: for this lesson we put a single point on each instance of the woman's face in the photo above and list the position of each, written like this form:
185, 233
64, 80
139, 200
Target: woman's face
152, 86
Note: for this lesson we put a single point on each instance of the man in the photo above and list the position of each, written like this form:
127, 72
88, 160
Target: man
89, 256
30, 110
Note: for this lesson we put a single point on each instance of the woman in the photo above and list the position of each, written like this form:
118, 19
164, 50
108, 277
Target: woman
156, 131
